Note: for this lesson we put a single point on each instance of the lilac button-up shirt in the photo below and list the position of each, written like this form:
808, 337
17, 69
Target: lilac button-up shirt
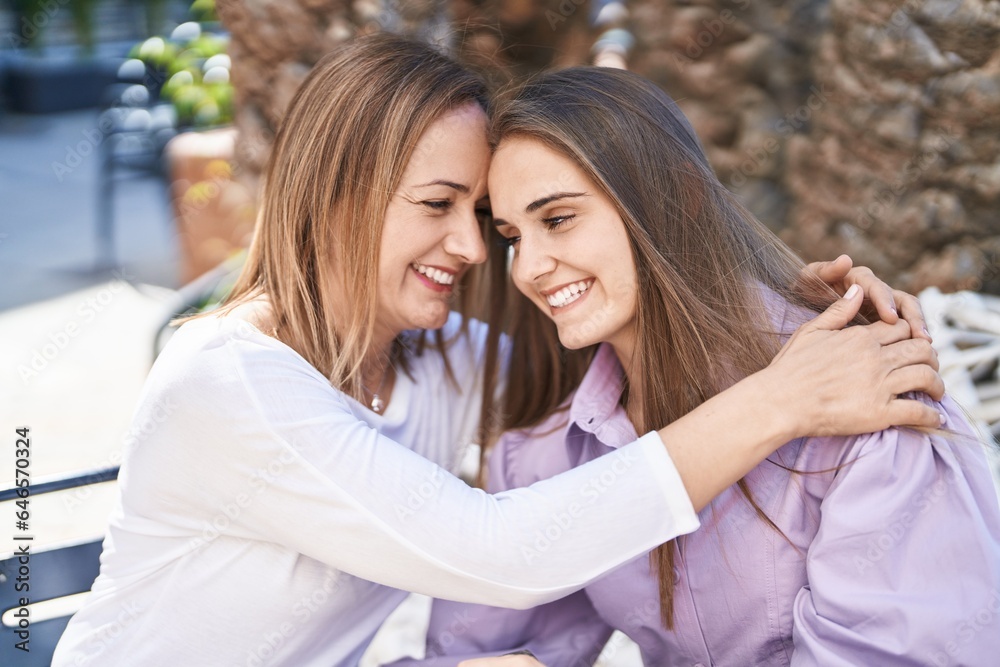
892, 555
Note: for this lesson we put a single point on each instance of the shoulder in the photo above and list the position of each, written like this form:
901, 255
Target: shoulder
218, 365
783, 316
901, 462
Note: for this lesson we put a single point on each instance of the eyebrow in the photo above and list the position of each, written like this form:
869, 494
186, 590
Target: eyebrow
464, 189
538, 203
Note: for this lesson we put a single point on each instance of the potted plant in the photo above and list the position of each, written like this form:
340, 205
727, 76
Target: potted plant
213, 211
194, 70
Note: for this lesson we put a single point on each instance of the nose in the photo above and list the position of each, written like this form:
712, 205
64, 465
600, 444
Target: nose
466, 240
531, 260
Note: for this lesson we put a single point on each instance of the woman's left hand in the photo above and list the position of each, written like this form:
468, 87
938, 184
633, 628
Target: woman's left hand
882, 302
503, 661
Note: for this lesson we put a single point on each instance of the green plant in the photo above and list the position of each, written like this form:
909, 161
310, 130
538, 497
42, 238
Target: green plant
198, 77
204, 11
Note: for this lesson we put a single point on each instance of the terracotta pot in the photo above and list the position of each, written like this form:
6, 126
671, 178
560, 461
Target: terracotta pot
214, 213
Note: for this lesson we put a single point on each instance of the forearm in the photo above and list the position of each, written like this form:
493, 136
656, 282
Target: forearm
719, 442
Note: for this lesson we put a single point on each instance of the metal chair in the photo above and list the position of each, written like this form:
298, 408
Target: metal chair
53, 573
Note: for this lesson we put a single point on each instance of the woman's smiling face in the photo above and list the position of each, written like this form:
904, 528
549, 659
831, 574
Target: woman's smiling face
572, 256
432, 232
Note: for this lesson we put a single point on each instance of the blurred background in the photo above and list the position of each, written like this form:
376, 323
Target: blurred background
133, 134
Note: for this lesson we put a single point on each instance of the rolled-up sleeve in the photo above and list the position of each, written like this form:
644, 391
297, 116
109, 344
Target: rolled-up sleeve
905, 567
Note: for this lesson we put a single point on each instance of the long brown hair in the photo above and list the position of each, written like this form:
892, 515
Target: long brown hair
344, 142
701, 260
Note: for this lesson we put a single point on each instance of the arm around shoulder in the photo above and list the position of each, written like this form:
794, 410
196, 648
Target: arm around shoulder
341, 493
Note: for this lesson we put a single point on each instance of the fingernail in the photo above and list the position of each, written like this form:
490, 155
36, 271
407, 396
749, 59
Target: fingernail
851, 292
892, 307
927, 333
941, 417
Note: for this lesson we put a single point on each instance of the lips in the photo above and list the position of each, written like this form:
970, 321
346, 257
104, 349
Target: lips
435, 274
567, 294
435, 278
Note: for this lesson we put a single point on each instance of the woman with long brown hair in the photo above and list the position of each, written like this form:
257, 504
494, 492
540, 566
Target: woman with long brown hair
648, 290
301, 479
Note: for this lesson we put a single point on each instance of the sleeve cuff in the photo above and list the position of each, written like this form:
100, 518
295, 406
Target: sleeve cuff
669, 480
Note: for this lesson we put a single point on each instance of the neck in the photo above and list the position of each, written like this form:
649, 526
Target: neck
379, 355
624, 351
376, 363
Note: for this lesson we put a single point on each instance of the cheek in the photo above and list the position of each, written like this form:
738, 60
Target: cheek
623, 292
392, 274
627, 285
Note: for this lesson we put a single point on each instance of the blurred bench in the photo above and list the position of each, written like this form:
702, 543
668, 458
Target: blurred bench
55, 573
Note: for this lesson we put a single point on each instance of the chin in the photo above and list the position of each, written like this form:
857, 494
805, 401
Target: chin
431, 320
575, 340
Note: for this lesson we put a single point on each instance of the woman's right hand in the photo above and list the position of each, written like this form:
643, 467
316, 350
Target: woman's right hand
834, 381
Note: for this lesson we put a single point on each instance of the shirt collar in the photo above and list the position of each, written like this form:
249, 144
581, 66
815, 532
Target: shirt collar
596, 406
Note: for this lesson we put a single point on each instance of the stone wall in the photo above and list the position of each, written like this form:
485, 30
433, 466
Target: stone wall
740, 71
862, 127
871, 128
901, 166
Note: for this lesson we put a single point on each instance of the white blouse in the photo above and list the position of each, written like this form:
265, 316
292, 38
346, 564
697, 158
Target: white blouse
266, 518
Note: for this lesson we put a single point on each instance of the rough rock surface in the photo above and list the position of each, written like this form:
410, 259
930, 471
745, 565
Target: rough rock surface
275, 43
871, 128
901, 166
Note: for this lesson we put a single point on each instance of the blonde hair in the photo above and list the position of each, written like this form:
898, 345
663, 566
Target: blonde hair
338, 157
701, 259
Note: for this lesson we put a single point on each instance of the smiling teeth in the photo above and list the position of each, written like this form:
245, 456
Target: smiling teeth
569, 294
436, 275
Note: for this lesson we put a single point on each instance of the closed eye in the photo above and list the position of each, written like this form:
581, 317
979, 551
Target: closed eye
503, 240
508, 241
437, 204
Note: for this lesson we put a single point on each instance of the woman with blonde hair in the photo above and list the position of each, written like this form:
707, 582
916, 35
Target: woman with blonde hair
648, 290
302, 480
